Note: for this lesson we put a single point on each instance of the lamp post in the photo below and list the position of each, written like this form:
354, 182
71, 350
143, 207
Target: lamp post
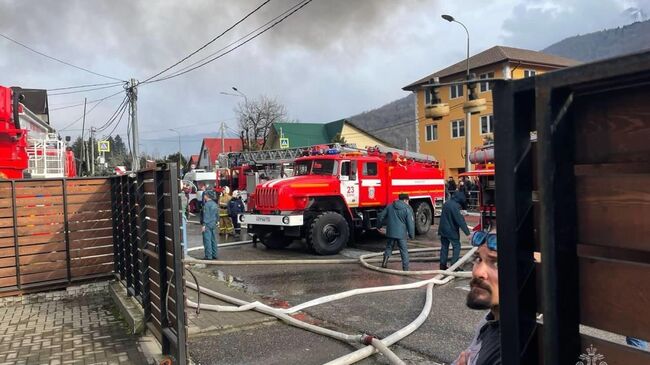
241, 95
180, 156
468, 116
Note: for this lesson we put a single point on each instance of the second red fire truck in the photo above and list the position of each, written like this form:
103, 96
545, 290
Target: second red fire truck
337, 193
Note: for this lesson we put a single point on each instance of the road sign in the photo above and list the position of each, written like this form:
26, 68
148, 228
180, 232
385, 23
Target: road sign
284, 143
103, 146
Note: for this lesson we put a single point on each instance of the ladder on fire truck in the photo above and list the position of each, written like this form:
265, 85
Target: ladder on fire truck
46, 152
267, 157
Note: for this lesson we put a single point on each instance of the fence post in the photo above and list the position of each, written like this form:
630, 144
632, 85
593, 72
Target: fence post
179, 285
66, 228
16, 246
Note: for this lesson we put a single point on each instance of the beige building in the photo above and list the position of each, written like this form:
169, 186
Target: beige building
444, 138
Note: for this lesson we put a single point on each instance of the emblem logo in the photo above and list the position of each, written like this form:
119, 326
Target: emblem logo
371, 192
592, 357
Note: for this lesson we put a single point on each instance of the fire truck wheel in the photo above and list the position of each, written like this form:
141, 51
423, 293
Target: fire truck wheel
328, 233
423, 217
274, 240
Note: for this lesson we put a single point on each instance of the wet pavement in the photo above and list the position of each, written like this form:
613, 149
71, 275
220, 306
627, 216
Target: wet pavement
447, 331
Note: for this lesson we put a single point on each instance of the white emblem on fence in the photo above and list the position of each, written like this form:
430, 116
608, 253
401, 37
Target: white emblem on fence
592, 357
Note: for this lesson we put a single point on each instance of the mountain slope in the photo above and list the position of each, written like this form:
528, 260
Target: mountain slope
608, 43
396, 113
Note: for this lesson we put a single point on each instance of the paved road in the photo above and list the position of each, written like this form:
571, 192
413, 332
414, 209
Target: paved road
448, 329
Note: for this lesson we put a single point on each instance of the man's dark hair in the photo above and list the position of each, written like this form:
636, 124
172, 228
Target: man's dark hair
403, 196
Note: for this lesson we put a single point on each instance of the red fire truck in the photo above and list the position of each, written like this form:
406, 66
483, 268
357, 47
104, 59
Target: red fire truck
29, 146
337, 193
483, 160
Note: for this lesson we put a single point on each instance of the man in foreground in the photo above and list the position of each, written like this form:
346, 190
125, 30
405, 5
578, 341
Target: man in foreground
485, 348
400, 225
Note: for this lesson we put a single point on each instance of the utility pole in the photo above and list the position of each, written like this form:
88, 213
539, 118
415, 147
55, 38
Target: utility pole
223, 140
83, 141
133, 99
92, 151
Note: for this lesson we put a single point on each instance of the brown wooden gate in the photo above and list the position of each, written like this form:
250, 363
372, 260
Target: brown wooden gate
54, 232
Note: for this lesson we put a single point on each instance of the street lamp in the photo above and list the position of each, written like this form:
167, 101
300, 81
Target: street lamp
241, 94
468, 116
180, 158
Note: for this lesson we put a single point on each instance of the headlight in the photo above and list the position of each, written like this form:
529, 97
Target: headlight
285, 219
241, 217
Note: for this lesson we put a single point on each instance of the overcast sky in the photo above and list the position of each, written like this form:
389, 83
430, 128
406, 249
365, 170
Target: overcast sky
330, 60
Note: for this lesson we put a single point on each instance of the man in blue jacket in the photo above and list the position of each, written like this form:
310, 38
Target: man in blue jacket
400, 225
450, 221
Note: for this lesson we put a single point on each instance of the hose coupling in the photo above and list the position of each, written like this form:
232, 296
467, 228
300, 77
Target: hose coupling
366, 339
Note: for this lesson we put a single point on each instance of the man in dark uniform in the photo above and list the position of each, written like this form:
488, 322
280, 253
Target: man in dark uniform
400, 225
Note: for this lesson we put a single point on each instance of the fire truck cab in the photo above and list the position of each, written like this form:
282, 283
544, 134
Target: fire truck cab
335, 194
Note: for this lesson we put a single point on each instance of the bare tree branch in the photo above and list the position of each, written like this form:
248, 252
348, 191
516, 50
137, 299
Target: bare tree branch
256, 119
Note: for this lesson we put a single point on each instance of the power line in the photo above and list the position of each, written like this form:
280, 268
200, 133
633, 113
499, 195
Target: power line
242, 38
56, 59
83, 86
210, 42
98, 101
111, 119
86, 90
90, 102
303, 4
118, 123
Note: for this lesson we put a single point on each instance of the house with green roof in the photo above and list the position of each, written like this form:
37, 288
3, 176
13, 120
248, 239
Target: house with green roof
309, 134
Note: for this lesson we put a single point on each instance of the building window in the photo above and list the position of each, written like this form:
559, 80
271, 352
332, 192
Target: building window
487, 124
485, 86
431, 132
455, 91
529, 73
458, 128
370, 169
428, 97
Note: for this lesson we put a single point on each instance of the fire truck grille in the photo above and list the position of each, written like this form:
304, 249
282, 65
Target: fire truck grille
266, 198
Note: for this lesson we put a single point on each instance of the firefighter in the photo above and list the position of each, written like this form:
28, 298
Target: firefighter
209, 224
450, 221
235, 207
400, 225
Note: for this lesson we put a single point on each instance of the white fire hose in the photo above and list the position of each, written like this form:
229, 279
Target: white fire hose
442, 277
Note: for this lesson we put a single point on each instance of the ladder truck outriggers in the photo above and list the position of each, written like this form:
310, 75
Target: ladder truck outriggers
338, 192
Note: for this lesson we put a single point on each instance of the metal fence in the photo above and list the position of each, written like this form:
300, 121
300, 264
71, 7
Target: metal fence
148, 254
577, 195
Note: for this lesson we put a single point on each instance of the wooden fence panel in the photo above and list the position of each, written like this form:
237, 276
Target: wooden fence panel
54, 231
89, 221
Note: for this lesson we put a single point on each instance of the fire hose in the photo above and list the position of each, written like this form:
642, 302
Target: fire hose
442, 277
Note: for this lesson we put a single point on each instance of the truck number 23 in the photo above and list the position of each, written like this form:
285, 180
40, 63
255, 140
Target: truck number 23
350, 189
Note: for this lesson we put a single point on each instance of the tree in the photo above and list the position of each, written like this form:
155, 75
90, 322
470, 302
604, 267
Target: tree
256, 119
174, 158
338, 138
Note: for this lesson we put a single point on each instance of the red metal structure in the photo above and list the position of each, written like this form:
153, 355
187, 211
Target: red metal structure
483, 160
28, 144
335, 194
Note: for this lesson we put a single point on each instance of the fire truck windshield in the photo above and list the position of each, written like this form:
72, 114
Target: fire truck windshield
315, 167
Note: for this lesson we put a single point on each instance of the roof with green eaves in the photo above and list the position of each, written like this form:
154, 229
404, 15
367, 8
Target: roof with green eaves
309, 134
